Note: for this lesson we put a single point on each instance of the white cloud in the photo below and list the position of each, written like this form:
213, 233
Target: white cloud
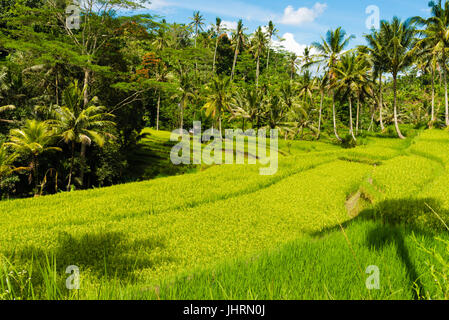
229, 25
290, 44
302, 15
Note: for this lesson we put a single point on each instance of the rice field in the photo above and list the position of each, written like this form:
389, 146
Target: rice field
226, 232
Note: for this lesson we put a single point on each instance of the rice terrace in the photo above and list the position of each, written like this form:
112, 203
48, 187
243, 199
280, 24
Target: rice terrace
333, 184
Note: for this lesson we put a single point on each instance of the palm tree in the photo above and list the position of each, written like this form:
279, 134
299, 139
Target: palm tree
259, 42
185, 92
161, 40
6, 162
32, 140
275, 113
75, 124
307, 86
246, 104
427, 62
271, 31
218, 100
437, 37
162, 73
352, 74
292, 64
376, 49
400, 51
322, 86
218, 28
197, 23
306, 58
330, 50
238, 41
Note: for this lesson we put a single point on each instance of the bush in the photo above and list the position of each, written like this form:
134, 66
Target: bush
348, 142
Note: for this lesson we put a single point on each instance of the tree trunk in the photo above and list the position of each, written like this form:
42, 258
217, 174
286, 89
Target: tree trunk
72, 160
157, 112
445, 89
372, 119
57, 88
395, 107
382, 127
83, 144
258, 71
235, 58
358, 116
334, 116
215, 55
268, 57
351, 128
36, 175
320, 115
432, 117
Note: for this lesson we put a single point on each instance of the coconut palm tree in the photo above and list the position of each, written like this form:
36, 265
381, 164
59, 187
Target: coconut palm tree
271, 31
306, 59
330, 50
219, 99
258, 45
307, 87
185, 92
292, 61
246, 105
427, 63
218, 28
322, 84
376, 49
161, 40
436, 34
33, 139
400, 53
77, 125
6, 162
197, 23
352, 74
238, 40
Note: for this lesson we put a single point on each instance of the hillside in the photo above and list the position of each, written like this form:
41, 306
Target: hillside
148, 234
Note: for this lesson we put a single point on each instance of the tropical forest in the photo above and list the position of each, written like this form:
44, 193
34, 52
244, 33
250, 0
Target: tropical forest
92, 93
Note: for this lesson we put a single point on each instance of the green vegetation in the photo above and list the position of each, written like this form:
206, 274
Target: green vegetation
187, 236
86, 180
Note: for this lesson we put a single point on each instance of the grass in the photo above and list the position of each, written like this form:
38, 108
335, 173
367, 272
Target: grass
229, 233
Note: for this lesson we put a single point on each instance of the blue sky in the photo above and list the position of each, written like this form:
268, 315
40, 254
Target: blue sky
299, 22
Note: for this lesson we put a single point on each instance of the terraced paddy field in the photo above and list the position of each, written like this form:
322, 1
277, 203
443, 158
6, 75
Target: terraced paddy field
308, 232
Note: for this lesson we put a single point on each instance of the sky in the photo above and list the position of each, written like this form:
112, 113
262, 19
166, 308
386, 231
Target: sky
300, 23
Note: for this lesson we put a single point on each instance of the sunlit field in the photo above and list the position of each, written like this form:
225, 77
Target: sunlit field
206, 153
226, 232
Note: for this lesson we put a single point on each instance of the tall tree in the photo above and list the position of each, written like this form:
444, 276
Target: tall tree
218, 99
352, 74
271, 31
238, 40
330, 50
185, 92
76, 124
197, 23
400, 53
33, 139
258, 45
436, 34
377, 54
218, 33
